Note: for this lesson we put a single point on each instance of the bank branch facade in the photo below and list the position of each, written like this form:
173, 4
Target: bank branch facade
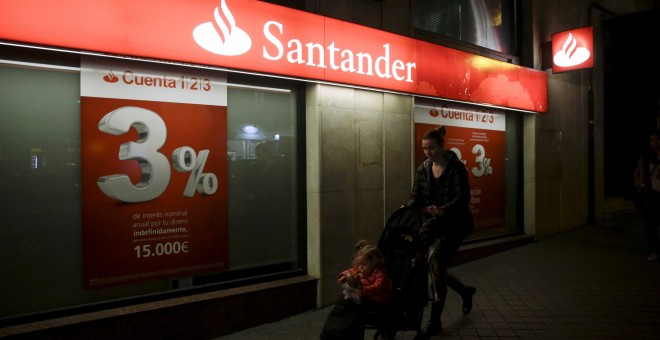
156, 159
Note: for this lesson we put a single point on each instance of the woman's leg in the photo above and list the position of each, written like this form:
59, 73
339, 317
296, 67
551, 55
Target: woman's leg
440, 260
652, 221
466, 292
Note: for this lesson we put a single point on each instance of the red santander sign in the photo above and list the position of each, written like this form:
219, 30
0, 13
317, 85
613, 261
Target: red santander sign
573, 49
261, 37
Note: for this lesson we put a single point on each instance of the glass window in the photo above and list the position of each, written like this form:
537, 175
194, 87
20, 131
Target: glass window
485, 23
40, 197
263, 160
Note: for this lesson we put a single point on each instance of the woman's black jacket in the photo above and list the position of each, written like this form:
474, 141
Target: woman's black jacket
451, 192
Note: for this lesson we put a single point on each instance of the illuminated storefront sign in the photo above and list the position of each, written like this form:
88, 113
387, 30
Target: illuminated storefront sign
257, 36
573, 50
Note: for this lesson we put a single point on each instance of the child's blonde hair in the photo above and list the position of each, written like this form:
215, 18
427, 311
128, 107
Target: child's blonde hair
369, 252
359, 245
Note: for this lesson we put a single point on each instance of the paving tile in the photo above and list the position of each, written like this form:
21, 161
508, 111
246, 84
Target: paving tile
589, 283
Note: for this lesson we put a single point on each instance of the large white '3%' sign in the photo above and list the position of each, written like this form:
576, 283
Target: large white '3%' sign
483, 164
154, 166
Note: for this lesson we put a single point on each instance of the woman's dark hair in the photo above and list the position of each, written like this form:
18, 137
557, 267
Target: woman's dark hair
647, 146
647, 152
654, 133
437, 134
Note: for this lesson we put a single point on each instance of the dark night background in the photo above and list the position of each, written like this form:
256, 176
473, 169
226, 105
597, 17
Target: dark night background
632, 94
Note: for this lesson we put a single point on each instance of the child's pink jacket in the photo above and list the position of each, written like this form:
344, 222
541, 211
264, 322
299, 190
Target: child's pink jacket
376, 287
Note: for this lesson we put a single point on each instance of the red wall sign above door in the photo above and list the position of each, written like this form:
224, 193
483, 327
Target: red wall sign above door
573, 49
261, 37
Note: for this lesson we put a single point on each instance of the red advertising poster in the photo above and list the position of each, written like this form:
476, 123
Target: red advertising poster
476, 135
154, 173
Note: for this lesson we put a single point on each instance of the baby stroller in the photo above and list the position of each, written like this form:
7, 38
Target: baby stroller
406, 265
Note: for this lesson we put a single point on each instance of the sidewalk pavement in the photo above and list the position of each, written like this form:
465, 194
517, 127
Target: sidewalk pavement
593, 282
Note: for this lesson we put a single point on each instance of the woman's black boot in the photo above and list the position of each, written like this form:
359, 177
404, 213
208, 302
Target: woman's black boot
467, 294
435, 325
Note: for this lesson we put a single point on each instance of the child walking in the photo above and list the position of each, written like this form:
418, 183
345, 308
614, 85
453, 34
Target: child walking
366, 287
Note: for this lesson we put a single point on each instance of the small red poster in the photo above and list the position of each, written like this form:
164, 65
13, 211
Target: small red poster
154, 173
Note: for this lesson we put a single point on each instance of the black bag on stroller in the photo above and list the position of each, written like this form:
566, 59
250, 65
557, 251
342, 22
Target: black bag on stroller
405, 260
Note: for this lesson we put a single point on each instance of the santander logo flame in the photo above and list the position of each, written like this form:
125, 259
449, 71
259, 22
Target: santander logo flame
110, 77
222, 36
570, 54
